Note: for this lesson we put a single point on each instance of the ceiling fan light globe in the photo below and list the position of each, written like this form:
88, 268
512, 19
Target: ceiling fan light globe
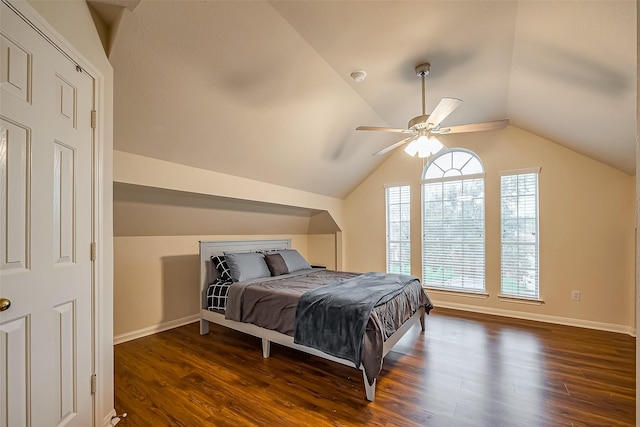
433, 145
412, 148
427, 146
423, 153
423, 146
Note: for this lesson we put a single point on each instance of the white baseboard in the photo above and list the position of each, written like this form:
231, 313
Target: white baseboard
107, 421
588, 324
118, 339
609, 327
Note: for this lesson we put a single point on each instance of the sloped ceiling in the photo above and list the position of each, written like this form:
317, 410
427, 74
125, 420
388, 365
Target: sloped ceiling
145, 211
262, 89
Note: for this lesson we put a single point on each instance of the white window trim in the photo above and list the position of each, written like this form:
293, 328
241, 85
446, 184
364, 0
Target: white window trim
520, 299
397, 184
457, 292
521, 171
453, 178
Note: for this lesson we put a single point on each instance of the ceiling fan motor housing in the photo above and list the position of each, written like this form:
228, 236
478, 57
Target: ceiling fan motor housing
419, 122
423, 69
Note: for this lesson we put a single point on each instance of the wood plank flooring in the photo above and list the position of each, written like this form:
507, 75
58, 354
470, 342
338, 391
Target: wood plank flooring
465, 370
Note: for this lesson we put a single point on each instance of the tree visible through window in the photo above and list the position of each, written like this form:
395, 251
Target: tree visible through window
519, 237
398, 229
453, 222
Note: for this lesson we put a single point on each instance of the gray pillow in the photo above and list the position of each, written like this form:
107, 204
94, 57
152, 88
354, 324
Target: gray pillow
246, 265
294, 260
276, 264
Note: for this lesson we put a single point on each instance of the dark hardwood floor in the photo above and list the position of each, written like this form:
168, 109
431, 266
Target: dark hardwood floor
464, 370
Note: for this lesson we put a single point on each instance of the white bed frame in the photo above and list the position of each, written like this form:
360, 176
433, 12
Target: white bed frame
208, 273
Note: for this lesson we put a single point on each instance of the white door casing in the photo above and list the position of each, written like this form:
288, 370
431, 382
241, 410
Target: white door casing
45, 232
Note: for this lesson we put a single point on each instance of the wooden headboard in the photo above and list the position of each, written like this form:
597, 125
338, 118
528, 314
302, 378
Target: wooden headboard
217, 247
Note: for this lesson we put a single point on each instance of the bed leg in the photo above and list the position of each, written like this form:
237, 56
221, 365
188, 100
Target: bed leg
204, 327
369, 389
266, 348
422, 311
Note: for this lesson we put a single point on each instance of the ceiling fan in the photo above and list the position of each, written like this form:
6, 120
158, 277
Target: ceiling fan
421, 128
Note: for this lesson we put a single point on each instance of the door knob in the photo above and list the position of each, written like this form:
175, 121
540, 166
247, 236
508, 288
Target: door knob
5, 304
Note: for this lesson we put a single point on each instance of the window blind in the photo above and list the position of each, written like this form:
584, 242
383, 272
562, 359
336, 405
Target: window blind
519, 235
398, 229
453, 240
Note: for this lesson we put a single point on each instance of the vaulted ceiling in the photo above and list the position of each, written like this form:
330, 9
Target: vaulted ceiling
262, 89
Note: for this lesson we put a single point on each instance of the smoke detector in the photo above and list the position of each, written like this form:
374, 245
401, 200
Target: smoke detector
359, 76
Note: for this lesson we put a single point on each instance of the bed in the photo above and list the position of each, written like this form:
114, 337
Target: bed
290, 287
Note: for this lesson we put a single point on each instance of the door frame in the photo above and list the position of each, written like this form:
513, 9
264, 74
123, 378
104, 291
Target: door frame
101, 364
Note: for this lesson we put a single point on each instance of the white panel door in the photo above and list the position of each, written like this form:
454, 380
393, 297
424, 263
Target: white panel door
46, 144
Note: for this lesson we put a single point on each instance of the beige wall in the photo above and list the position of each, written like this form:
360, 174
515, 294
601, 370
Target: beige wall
73, 21
158, 278
587, 221
322, 250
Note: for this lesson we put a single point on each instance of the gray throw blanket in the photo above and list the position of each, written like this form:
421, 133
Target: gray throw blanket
333, 318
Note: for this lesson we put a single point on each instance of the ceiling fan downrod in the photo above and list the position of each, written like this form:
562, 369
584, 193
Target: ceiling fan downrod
422, 70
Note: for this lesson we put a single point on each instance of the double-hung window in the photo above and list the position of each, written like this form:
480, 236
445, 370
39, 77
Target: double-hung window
519, 234
453, 222
398, 202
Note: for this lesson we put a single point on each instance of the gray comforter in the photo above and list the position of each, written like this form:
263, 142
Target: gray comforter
271, 303
333, 318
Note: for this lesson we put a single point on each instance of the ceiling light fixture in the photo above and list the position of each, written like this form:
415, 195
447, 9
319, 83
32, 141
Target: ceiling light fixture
424, 146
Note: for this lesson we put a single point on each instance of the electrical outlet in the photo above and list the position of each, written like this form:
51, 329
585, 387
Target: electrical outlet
575, 295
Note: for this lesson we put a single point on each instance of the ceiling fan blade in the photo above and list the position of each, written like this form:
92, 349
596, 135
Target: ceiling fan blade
445, 107
373, 128
473, 127
393, 146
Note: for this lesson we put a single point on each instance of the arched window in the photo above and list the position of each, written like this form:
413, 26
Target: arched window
453, 222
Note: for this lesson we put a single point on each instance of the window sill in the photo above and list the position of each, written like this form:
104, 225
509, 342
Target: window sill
520, 300
470, 294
